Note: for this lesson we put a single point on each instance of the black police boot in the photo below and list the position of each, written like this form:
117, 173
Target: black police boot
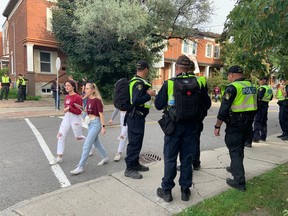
141, 168
196, 167
282, 135
131, 173
228, 169
249, 145
185, 194
235, 184
166, 195
284, 138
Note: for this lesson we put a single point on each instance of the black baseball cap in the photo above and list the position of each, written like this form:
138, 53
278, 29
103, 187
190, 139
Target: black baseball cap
235, 69
184, 61
142, 64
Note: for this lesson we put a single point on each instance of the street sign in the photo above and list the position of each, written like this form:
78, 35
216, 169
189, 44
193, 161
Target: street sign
58, 64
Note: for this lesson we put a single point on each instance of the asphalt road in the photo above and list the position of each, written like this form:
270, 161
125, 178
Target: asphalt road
26, 143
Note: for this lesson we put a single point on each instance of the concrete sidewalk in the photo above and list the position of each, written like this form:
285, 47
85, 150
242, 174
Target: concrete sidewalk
119, 195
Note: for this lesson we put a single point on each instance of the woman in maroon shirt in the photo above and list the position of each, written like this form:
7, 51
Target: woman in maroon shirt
96, 123
72, 118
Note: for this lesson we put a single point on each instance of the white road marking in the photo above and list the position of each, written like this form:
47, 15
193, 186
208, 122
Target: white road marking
58, 172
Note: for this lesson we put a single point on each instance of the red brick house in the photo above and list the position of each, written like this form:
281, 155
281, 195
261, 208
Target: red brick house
203, 46
31, 47
4, 58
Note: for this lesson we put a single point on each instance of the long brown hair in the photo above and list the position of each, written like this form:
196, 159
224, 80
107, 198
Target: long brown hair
73, 85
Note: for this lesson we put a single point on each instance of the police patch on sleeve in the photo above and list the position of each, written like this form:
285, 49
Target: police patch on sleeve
227, 96
139, 87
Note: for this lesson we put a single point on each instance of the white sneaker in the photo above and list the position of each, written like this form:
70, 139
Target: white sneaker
103, 161
56, 160
117, 157
91, 152
77, 171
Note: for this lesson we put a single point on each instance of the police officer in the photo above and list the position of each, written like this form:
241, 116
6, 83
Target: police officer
282, 96
21, 83
140, 94
237, 110
5, 83
264, 96
182, 140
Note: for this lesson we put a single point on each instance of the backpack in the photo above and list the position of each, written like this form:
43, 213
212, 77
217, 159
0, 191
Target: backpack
121, 98
187, 95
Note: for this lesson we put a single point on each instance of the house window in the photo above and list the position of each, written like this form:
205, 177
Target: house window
189, 47
217, 52
45, 62
209, 48
49, 19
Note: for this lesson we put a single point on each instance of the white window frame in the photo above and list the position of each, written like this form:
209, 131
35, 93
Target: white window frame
189, 47
209, 53
216, 52
50, 63
49, 19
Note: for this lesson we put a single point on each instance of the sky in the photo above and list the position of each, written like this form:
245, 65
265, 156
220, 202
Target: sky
221, 10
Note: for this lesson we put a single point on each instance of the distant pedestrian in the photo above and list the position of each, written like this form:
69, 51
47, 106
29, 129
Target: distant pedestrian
83, 95
282, 96
237, 110
96, 124
140, 94
183, 110
5, 84
56, 92
21, 83
217, 93
264, 96
123, 137
71, 119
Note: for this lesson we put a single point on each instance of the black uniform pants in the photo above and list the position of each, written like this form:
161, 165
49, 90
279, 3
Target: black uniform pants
235, 138
283, 117
20, 95
196, 150
260, 123
182, 142
4, 92
136, 128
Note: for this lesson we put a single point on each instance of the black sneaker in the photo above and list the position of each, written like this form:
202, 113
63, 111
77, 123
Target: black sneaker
263, 139
164, 194
236, 185
197, 167
228, 169
185, 194
255, 140
132, 174
141, 168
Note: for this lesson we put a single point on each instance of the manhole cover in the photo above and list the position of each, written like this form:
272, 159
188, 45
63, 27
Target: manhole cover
149, 157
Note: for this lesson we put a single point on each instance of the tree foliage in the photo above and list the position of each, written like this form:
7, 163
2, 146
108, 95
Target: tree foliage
105, 39
255, 36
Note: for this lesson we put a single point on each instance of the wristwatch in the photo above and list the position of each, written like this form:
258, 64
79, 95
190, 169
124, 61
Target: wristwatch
217, 127
103, 126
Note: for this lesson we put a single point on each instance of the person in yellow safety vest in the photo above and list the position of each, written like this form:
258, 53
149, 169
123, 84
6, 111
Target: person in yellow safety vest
5, 84
264, 96
237, 110
140, 97
185, 136
21, 83
282, 96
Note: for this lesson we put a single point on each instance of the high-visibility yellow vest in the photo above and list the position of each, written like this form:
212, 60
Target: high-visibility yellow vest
5, 79
246, 98
268, 93
23, 82
133, 81
279, 94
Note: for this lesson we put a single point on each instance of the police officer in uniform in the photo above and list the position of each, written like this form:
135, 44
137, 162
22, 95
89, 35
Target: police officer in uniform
5, 83
21, 83
182, 140
282, 96
264, 96
140, 95
237, 110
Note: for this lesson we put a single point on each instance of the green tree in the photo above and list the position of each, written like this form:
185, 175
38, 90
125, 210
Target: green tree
255, 36
105, 39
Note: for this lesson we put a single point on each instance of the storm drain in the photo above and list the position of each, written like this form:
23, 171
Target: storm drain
149, 157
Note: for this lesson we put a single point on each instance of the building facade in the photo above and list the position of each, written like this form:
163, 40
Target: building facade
30, 44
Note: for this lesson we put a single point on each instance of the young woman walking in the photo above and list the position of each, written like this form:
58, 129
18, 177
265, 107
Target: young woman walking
71, 119
96, 123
